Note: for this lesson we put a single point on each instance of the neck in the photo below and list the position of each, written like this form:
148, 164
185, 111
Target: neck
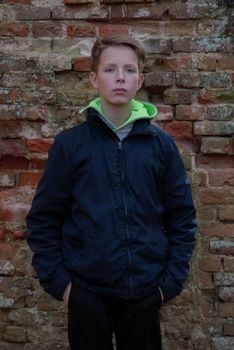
117, 114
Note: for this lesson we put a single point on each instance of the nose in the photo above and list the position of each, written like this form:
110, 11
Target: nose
120, 76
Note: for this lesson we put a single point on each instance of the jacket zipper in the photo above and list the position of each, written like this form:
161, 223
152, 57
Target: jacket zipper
120, 147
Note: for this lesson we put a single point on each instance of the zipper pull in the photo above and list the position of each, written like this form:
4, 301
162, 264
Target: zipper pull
120, 145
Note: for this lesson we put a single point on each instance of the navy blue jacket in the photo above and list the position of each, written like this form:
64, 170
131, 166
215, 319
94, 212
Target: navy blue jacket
113, 217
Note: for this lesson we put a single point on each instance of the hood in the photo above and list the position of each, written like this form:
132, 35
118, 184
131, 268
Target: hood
140, 110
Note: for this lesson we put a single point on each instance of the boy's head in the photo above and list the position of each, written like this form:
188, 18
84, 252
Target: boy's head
116, 40
116, 71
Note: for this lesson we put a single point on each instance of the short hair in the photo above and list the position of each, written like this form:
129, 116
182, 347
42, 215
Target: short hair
116, 40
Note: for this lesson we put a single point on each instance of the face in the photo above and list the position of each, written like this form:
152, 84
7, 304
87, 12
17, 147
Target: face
118, 77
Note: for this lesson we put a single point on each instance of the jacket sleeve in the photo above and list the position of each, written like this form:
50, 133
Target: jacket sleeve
45, 219
179, 222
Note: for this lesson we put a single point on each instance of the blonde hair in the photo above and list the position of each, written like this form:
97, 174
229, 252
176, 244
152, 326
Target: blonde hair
116, 40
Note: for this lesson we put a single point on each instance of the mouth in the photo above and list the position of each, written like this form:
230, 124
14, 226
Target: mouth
120, 91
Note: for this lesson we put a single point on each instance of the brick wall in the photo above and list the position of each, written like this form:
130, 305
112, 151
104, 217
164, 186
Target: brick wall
44, 64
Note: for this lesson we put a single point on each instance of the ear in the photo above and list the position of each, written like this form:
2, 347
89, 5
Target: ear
140, 81
93, 79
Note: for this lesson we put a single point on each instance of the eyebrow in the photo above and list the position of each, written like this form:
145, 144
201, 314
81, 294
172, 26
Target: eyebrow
115, 64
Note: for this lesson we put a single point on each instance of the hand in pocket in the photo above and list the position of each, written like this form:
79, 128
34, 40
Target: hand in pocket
66, 294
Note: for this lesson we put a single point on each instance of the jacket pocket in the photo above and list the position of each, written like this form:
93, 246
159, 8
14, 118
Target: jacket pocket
76, 240
73, 249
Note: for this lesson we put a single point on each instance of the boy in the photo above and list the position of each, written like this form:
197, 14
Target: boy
112, 223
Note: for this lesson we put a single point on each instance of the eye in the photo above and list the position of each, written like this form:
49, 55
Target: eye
108, 70
131, 70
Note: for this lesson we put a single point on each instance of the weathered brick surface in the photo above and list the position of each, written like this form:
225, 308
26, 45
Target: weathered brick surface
189, 74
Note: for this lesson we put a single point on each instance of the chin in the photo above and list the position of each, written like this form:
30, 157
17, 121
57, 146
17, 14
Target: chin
120, 101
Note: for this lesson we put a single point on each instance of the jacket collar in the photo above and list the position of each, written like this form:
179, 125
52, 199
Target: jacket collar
140, 126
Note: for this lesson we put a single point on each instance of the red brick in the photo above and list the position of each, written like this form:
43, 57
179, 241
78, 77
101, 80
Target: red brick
36, 113
32, 13
219, 145
35, 95
111, 1
158, 78
207, 303
8, 112
81, 64
226, 213
202, 9
222, 176
177, 63
11, 162
80, 30
134, 1
149, 11
178, 10
190, 112
144, 28
2, 233
12, 211
177, 96
183, 299
229, 263
12, 64
210, 327
117, 11
37, 163
216, 80
206, 214
209, 44
77, 2
13, 147
215, 96
207, 62
7, 251
47, 29
154, 45
206, 280
216, 195
214, 128
184, 45
12, 2
164, 112
220, 112
80, 12
14, 29
28, 79
39, 145
188, 80
226, 294
106, 29
29, 178
223, 247
225, 62
228, 328
8, 95
207, 310
177, 28
217, 230
210, 27
215, 162
7, 179
179, 129
226, 310
17, 234
10, 129
210, 263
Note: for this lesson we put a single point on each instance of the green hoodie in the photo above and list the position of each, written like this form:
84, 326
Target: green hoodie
140, 110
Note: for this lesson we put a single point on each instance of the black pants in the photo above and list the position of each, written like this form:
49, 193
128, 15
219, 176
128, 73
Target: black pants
93, 318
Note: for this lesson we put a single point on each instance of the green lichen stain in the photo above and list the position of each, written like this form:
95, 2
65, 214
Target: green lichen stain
228, 96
